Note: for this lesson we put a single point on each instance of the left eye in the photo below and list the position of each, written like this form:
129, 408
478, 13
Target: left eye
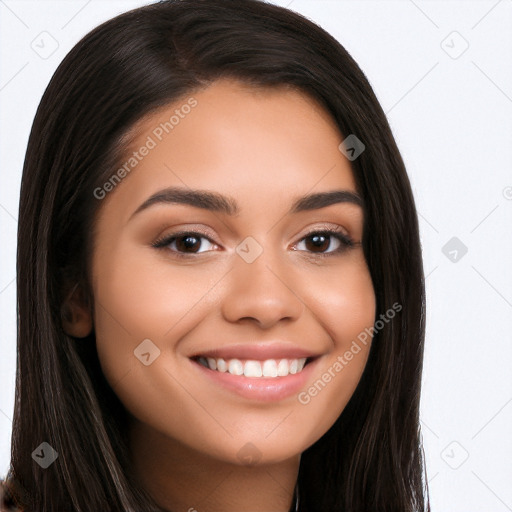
319, 240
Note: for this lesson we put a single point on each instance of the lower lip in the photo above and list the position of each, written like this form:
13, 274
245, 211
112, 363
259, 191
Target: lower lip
263, 389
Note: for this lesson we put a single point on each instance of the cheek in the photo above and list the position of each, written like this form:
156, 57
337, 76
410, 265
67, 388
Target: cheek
137, 298
147, 296
344, 301
346, 309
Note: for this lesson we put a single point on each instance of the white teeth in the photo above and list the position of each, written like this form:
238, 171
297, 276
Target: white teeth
235, 367
222, 366
270, 368
252, 368
282, 368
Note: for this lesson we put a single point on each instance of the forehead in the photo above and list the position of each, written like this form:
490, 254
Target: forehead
258, 144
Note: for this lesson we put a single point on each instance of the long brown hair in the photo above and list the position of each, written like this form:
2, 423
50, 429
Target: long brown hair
371, 459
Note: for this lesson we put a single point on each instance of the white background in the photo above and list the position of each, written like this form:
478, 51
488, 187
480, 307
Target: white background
451, 114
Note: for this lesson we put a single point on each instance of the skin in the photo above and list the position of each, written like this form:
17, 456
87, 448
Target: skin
263, 148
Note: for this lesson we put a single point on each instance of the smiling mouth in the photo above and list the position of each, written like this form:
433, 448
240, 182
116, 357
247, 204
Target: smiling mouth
269, 368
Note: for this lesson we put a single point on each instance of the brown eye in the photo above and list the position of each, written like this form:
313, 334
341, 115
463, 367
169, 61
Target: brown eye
188, 243
318, 242
183, 243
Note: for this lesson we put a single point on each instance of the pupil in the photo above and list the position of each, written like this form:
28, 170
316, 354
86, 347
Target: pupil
189, 241
318, 240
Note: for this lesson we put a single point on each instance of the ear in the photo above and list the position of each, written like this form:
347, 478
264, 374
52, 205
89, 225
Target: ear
76, 314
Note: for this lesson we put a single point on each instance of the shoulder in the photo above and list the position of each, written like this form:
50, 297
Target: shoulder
7, 503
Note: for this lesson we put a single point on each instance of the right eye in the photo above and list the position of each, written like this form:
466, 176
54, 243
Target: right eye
185, 243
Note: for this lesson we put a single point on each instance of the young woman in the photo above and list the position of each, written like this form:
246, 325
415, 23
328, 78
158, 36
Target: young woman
220, 283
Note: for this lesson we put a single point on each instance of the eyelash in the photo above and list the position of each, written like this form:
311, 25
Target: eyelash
345, 241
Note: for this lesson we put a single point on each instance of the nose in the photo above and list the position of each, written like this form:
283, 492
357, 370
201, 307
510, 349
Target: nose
262, 291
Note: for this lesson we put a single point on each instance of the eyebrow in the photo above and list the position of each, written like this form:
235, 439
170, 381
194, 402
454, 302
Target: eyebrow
216, 202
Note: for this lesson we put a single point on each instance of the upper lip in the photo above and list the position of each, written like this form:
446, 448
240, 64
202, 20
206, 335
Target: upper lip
257, 351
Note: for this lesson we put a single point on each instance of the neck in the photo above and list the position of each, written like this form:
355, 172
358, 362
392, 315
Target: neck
180, 478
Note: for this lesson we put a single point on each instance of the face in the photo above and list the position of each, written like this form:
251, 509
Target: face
254, 282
